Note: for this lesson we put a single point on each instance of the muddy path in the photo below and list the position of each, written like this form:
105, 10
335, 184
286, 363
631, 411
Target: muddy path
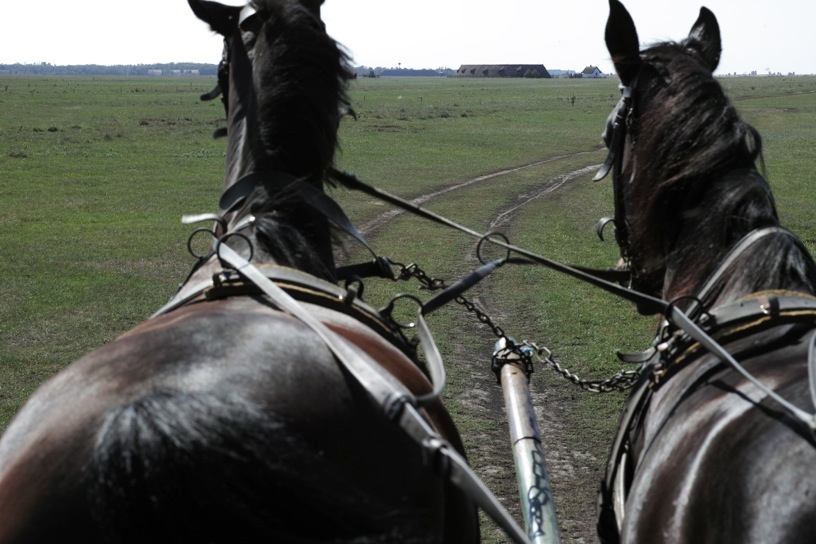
573, 466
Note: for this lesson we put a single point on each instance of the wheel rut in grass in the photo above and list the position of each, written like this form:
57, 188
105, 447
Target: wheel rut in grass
385, 217
489, 449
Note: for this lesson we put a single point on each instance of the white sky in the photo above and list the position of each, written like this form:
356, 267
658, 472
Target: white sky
757, 35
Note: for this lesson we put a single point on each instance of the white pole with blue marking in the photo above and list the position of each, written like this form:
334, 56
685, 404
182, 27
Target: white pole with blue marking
535, 492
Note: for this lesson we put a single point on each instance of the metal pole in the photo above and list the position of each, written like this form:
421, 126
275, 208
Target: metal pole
531, 470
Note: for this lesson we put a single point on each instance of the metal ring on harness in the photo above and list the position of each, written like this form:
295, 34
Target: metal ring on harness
387, 312
221, 243
192, 251
602, 223
489, 238
696, 311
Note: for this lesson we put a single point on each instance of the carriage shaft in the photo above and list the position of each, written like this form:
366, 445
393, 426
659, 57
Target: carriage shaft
535, 492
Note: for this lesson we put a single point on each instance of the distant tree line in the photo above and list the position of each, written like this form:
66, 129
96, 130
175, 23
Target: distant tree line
367, 71
100, 70
46, 68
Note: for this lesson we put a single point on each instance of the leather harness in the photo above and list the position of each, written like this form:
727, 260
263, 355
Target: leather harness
397, 403
675, 349
288, 289
749, 316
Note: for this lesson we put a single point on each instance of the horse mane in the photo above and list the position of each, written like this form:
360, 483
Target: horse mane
738, 203
689, 138
301, 78
251, 476
299, 93
285, 231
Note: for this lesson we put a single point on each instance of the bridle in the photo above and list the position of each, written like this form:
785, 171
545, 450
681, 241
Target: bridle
622, 125
248, 20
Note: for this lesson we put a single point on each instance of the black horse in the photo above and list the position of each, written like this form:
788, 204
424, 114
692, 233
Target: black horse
223, 418
707, 451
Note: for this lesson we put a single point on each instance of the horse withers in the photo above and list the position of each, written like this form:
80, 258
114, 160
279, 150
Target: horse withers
224, 419
708, 451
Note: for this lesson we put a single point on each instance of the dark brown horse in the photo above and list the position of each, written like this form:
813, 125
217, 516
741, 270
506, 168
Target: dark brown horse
708, 450
224, 419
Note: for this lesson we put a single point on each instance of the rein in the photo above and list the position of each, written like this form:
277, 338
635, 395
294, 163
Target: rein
649, 304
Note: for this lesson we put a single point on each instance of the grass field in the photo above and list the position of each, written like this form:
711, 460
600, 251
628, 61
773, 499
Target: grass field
96, 173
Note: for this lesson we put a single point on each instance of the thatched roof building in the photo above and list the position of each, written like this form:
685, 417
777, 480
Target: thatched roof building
503, 70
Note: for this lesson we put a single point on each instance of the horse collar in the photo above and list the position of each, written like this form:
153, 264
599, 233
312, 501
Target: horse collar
736, 251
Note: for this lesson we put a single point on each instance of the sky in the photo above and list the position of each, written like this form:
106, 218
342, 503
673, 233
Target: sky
758, 35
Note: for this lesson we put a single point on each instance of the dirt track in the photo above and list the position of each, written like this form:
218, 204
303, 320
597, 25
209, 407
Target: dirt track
572, 467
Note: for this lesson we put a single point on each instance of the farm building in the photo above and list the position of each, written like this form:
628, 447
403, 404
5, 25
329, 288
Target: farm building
503, 70
592, 72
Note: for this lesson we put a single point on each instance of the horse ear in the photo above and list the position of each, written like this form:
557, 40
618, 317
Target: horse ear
622, 42
705, 37
222, 19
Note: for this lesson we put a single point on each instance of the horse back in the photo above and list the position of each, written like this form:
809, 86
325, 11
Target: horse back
719, 461
221, 421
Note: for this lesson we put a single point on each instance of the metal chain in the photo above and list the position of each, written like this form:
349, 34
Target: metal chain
621, 381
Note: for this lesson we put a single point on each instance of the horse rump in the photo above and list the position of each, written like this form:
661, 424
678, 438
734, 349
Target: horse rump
201, 467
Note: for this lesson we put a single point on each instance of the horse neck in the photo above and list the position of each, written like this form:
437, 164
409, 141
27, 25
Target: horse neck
280, 132
712, 252
289, 231
284, 228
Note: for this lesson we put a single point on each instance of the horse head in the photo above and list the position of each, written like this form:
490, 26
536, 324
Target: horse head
284, 82
683, 162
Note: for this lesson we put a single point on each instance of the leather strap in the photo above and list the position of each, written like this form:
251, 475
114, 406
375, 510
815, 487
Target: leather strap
739, 248
241, 189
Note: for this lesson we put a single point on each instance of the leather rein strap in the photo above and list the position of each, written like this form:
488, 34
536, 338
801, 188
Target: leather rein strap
397, 404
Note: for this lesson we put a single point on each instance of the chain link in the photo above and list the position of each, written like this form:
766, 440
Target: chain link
621, 381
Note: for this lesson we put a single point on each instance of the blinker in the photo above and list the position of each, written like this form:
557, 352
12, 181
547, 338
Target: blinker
247, 17
619, 126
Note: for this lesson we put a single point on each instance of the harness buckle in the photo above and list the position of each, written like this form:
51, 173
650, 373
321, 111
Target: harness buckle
768, 304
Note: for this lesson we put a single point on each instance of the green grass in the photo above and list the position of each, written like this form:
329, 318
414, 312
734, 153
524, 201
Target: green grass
97, 172
416, 136
95, 176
